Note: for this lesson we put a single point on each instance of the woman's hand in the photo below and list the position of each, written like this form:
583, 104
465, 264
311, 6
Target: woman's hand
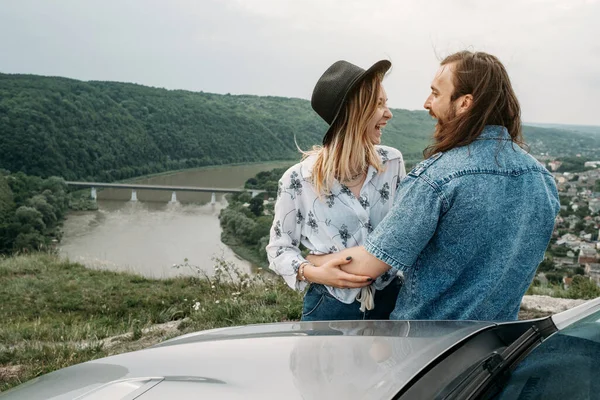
331, 274
318, 260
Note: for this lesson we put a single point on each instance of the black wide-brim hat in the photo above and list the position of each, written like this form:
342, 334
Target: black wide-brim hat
335, 87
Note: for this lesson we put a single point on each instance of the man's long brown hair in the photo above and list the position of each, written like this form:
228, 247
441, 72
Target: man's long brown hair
494, 101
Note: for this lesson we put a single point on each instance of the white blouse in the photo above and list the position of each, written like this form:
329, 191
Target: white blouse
332, 223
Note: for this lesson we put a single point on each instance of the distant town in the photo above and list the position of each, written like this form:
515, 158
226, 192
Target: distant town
573, 249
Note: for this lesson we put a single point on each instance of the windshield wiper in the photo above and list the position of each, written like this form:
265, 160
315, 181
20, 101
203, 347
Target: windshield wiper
490, 376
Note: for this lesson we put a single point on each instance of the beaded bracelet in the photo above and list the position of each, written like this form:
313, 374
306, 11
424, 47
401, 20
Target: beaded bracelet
301, 271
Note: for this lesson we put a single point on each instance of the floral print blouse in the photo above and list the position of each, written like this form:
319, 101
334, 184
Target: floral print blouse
332, 223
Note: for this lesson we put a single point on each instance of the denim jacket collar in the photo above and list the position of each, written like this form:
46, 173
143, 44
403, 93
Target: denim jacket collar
497, 132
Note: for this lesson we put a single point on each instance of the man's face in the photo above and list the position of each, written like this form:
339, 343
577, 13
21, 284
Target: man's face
439, 102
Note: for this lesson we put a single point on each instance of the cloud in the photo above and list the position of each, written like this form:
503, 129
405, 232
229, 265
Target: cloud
281, 47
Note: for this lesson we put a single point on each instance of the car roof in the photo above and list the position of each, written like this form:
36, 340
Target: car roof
351, 359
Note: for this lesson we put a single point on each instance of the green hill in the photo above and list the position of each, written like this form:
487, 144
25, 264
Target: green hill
109, 131
574, 128
562, 142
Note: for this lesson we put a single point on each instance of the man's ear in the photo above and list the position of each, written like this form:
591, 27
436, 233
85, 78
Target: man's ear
464, 103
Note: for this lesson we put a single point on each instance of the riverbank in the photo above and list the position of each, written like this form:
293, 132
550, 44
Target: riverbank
150, 235
246, 253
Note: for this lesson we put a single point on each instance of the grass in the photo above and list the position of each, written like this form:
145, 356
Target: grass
57, 313
549, 290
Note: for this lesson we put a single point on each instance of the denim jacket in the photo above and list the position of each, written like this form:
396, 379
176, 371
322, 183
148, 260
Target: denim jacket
468, 228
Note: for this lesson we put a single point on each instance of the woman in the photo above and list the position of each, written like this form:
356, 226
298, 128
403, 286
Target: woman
337, 195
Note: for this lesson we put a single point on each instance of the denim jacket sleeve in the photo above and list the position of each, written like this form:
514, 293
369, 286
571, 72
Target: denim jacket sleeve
405, 231
283, 250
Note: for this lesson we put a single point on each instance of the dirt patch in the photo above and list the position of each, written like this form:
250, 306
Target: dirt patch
150, 336
115, 344
10, 372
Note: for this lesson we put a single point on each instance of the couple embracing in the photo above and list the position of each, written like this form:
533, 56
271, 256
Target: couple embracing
458, 237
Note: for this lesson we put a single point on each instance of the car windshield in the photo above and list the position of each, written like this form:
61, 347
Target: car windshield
563, 367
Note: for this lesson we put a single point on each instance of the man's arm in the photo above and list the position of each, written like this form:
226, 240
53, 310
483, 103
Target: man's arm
399, 239
319, 260
363, 263
331, 274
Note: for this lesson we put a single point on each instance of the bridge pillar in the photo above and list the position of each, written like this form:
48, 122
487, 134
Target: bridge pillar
213, 198
133, 195
174, 197
93, 194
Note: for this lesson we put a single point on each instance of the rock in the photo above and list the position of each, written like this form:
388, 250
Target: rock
547, 304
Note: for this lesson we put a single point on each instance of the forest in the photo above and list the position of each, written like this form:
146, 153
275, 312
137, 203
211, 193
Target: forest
54, 129
107, 131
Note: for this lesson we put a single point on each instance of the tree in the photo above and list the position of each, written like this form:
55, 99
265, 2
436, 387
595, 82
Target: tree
29, 217
256, 205
262, 228
554, 277
583, 288
39, 203
564, 200
582, 212
243, 197
559, 251
546, 265
261, 247
31, 241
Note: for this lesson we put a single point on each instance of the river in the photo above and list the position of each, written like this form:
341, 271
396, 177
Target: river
152, 234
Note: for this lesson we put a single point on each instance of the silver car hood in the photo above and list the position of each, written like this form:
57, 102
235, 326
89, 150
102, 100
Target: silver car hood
346, 359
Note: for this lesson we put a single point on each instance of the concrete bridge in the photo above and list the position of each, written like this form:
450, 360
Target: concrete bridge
173, 189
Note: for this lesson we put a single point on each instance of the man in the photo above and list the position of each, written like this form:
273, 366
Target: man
470, 223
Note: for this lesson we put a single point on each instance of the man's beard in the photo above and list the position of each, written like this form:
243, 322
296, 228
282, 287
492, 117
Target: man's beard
442, 123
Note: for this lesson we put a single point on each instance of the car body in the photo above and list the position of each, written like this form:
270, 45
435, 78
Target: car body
347, 359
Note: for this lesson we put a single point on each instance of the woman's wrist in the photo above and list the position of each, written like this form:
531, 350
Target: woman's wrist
301, 276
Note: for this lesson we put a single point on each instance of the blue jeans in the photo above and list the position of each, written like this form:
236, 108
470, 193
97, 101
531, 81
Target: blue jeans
320, 305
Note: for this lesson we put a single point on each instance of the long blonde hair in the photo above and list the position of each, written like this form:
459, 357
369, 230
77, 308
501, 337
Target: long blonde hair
350, 151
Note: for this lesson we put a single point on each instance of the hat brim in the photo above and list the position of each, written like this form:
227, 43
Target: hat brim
380, 66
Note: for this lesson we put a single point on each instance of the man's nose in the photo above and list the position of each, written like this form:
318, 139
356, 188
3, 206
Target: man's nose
427, 104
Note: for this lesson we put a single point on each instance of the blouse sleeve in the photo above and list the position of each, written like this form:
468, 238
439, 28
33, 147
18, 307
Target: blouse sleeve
283, 250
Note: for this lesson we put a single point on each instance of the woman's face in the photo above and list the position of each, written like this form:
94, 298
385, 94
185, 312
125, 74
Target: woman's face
380, 118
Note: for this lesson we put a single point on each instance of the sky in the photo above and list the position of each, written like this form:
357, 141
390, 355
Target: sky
281, 47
